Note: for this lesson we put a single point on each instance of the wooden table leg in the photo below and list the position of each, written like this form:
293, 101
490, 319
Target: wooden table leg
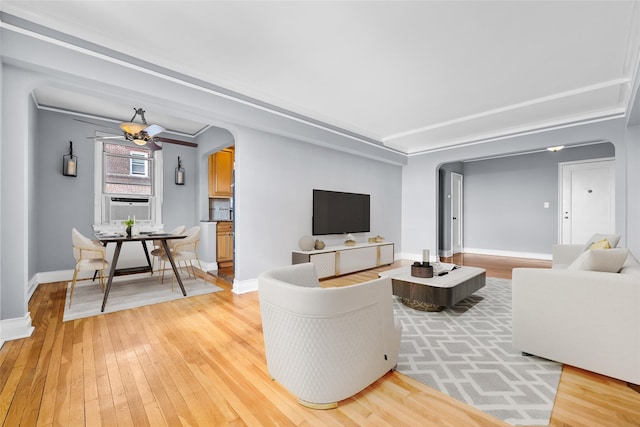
112, 272
173, 265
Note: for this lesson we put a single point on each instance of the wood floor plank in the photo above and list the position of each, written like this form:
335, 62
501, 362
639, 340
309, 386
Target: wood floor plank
201, 361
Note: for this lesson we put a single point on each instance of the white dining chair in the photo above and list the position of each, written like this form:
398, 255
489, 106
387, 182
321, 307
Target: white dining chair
184, 251
90, 256
159, 250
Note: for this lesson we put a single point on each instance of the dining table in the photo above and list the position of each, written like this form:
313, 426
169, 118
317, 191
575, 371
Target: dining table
118, 239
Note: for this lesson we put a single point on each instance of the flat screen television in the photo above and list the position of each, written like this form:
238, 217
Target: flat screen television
335, 212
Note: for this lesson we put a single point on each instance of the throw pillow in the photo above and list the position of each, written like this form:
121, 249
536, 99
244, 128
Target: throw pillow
607, 260
601, 244
612, 238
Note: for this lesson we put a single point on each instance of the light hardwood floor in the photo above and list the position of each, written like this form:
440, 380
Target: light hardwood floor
200, 361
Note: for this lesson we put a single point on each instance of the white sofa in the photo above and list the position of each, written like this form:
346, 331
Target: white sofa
588, 319
326, 344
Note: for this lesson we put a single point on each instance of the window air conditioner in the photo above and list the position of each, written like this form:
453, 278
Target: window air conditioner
122, 208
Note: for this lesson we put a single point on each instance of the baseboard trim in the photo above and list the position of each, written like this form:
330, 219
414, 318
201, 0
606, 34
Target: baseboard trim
509, 254
244, 286
20, 327
446, 253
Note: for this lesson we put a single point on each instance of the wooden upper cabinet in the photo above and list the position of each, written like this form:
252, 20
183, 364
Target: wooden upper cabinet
221, 173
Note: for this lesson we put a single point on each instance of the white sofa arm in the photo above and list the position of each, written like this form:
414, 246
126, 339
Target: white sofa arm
586, 319
563, 255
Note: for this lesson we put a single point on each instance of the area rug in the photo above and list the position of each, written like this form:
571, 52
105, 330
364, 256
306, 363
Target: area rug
127, 292
465, 351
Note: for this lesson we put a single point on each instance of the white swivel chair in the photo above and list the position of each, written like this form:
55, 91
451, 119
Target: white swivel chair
89, 255
326, 344
159, 250
184, 251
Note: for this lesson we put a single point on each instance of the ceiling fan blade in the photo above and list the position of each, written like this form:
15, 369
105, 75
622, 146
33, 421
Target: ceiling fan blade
153, 145
152, 130
175, 141
107, 137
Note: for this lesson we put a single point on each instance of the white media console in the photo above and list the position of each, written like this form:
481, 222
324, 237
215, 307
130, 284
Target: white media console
338, 260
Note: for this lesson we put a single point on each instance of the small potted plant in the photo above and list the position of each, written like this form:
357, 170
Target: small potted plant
129, 223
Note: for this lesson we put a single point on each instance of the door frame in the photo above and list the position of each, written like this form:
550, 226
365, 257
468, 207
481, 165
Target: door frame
452, 224
561, 166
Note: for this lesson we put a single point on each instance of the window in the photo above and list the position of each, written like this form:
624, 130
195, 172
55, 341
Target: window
138, 165
128, 182
126, 170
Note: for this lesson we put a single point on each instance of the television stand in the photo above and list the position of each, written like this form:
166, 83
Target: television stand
342, 259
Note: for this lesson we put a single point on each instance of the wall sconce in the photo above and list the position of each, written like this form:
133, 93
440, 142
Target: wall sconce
70, 163
179, 173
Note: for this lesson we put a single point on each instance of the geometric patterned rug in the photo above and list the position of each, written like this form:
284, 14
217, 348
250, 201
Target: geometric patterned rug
465, 352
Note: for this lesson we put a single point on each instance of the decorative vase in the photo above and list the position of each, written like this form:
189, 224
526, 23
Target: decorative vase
128, 230
319, 244
306, 243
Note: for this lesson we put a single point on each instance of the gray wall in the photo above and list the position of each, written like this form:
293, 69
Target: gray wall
420, 227
504, 198
275, 177
64, 202
274, 181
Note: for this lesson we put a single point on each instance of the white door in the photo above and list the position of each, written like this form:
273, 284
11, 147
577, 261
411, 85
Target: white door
456, 213
587, 200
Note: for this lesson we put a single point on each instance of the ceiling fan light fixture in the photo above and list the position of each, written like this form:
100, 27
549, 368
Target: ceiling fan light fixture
133, 128
139, 141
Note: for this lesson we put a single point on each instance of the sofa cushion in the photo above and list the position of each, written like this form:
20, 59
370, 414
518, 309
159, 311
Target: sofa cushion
606, 260
601, 244
612, 238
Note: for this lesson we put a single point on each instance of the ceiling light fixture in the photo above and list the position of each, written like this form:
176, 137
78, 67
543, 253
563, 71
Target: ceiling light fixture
139, 133
556, 148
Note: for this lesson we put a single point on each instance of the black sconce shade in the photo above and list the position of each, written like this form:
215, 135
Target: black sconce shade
70, 163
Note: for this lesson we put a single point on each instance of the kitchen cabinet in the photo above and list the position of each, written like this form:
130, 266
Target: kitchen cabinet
221, 173
224, 244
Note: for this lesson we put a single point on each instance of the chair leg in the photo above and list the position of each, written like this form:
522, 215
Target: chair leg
200, 267
162, 268
185, 268
189, 268
73, 285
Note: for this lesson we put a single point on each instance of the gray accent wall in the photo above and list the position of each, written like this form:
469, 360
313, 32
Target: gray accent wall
62, 202
275, 177
504, 199
420, 220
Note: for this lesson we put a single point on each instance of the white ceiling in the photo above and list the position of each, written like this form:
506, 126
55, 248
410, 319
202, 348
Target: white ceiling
415, 75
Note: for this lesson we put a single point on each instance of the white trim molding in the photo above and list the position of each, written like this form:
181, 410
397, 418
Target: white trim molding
510, 254
13, 329
244, 286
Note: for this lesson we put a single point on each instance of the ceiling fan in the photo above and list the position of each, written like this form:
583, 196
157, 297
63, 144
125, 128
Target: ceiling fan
140, 133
